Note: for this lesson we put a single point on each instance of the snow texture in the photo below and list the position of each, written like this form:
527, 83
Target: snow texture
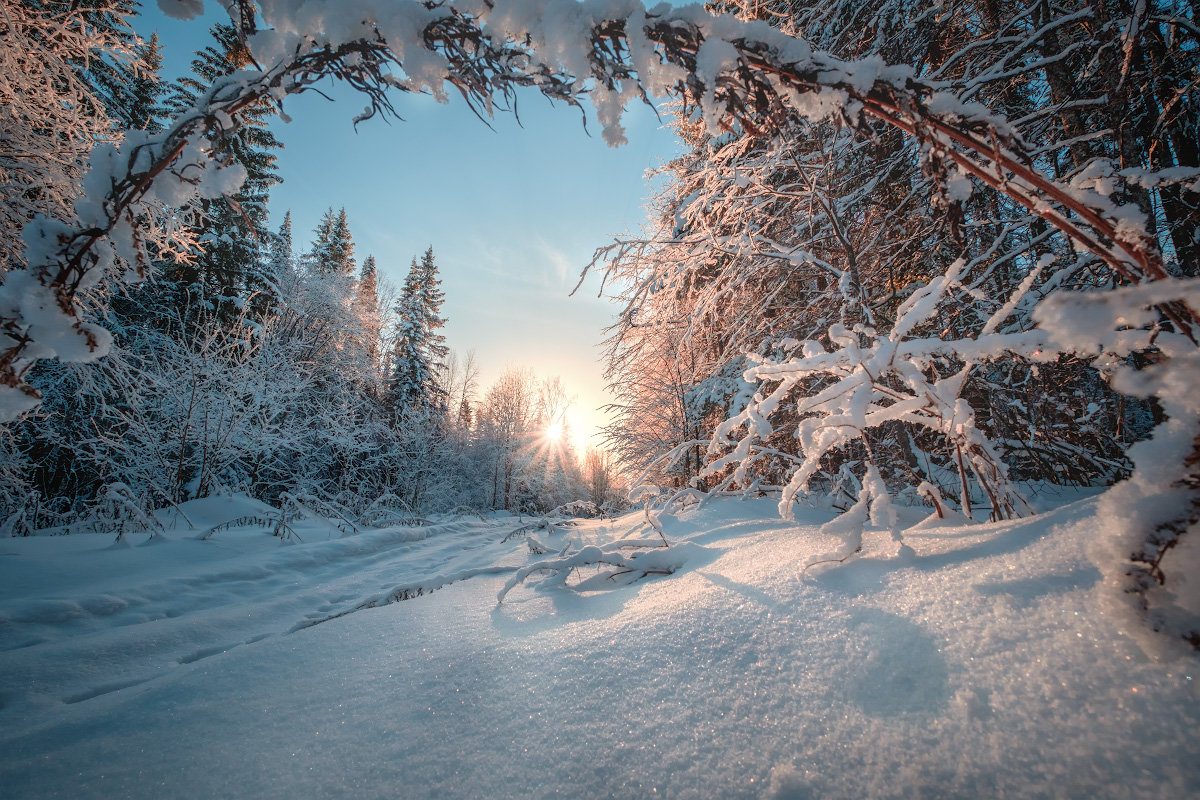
976, 664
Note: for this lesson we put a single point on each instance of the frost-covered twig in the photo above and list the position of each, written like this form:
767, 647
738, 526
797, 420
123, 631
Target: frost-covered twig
270, 523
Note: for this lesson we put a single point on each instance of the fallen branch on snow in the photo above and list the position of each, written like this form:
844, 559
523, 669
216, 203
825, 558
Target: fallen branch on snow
652, 559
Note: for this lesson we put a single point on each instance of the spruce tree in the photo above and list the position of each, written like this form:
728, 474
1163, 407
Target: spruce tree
143, 109
408, 361
366, 310
280, 260
233, 230
432, 298
114, 79
278, 269
139, 103
332, 250
420, 350
327, 282
366, 294
342, 246
318, 255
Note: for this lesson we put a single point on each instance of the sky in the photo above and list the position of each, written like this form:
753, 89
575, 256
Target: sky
513, 214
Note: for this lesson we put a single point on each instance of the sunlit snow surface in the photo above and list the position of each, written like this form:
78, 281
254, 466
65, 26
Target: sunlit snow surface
978, 667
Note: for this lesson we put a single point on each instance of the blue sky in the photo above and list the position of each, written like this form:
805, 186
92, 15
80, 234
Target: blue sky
512, 214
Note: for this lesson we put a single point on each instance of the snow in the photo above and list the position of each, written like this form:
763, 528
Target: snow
181, 9
974, 663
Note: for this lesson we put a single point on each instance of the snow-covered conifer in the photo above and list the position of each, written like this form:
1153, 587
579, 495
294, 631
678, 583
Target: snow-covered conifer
231, 230
367, 312
281, 259
419, 351
332, 250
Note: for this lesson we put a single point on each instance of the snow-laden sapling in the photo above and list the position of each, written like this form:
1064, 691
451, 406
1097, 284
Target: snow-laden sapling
866, 384
21, 521
270, 523
121, 510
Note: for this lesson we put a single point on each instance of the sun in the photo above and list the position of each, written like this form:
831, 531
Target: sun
554, 432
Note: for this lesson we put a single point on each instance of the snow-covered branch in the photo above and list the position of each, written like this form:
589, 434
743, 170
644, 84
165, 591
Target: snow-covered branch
612, 52
645, 559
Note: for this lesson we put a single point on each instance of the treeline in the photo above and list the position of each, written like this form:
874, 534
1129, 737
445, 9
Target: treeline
244, 364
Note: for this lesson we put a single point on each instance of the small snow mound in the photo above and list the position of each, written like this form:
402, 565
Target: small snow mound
900, 667
207, 512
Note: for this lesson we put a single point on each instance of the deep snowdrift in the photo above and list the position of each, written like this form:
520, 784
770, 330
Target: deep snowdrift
978, 665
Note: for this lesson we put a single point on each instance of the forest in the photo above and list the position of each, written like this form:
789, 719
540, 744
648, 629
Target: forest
912, 254
241, 361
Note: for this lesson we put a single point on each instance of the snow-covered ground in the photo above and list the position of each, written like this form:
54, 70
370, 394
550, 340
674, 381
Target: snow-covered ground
978, 665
